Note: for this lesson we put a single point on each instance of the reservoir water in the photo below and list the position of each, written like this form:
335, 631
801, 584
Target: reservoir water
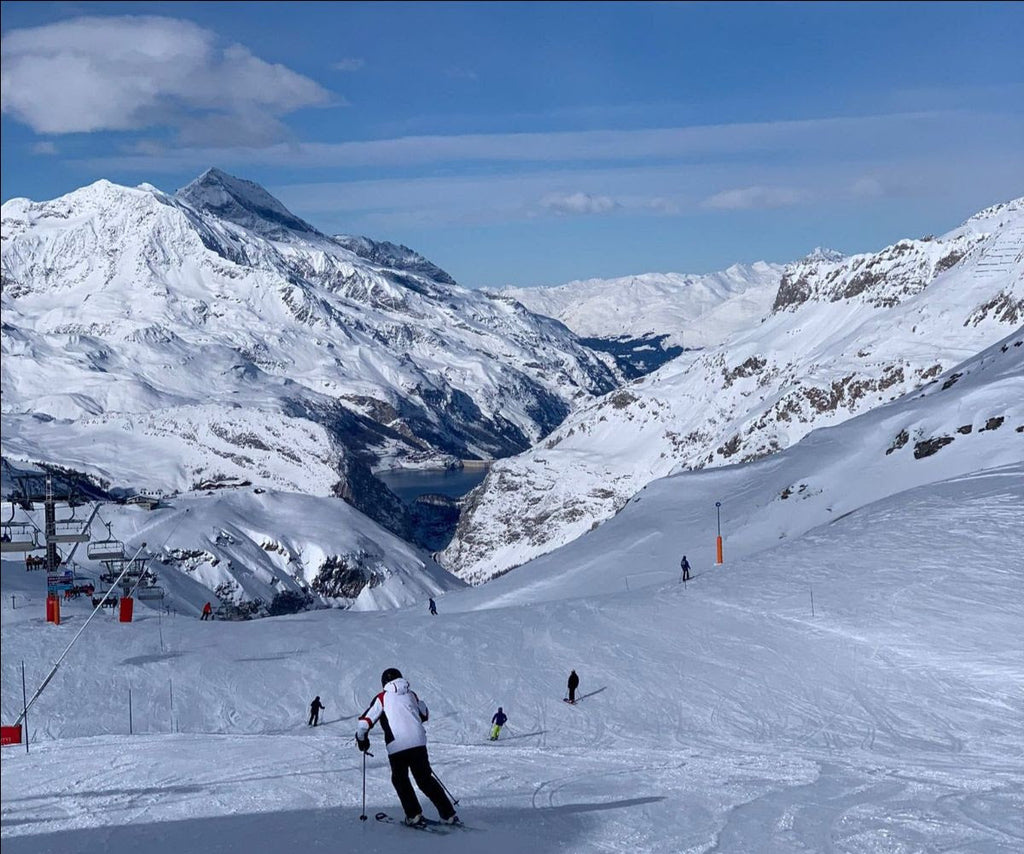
410, 484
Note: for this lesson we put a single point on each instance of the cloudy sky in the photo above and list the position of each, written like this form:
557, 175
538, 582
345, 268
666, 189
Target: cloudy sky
534, 143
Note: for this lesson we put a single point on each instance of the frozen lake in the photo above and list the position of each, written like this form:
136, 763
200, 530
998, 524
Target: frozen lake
411, 483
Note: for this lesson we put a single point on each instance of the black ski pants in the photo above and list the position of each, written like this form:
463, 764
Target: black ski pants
415, 759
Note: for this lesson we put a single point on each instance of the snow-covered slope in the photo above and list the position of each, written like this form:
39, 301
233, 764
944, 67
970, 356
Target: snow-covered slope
692, 310
845, 336
243, 547
852, 689
970, 419
161, 342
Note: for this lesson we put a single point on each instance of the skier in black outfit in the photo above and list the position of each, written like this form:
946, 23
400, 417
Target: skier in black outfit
684, 565
402, 715
574, 683
433, 607
314, 711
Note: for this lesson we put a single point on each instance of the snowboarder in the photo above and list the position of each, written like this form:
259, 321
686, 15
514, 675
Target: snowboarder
207, 611
498, 721
684, 565
314, 711
433, 607
402, 715
574, 683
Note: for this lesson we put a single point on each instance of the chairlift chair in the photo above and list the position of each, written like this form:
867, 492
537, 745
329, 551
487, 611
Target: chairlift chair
18, 538
111, 598
111, 575
110, 548
68, 531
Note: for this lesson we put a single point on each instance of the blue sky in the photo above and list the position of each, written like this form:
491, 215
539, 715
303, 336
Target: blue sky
534, 143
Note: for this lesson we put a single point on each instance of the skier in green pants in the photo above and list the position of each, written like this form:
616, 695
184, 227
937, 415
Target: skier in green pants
498, 722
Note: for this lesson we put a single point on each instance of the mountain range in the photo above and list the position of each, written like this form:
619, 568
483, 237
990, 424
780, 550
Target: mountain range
212, 347
173, 343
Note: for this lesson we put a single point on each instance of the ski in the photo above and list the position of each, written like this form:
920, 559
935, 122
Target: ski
428, 825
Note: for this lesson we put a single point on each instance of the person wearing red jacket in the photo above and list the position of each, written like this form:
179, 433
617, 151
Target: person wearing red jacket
401, 715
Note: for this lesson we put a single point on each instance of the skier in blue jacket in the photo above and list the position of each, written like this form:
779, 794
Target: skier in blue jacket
498, 722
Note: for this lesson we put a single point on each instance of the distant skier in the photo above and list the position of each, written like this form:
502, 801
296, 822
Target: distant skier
402, 715
498, 722
684, 565
574, 683
314, 711
207, 611
433, 607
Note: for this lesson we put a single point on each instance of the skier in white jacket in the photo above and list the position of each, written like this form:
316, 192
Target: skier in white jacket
402, 715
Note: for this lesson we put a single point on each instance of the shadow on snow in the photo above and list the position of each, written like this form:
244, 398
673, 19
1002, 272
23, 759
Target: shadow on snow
338, 830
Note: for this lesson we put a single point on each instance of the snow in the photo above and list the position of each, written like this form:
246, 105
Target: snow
854, 687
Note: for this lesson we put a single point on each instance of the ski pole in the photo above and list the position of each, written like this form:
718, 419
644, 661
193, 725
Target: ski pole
454, 799
362, 815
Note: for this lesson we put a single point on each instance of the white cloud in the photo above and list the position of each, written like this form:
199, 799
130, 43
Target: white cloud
575, 204
805, 145
756, 198
349, 64
867, 188
130, 73
44, 148
661, 205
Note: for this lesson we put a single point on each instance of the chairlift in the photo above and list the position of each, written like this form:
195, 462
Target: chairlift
108, 549
34, 562
111, 599
111, 575
68, 531
18, 538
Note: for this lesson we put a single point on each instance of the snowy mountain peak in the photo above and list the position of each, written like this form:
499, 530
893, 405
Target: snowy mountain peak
1014, 206
209, 316
822, 253
242, 202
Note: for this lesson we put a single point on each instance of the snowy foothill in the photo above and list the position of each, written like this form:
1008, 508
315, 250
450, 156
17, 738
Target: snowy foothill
848, 680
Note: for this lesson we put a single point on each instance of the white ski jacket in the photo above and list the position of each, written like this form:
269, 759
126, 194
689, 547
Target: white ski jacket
401, 714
